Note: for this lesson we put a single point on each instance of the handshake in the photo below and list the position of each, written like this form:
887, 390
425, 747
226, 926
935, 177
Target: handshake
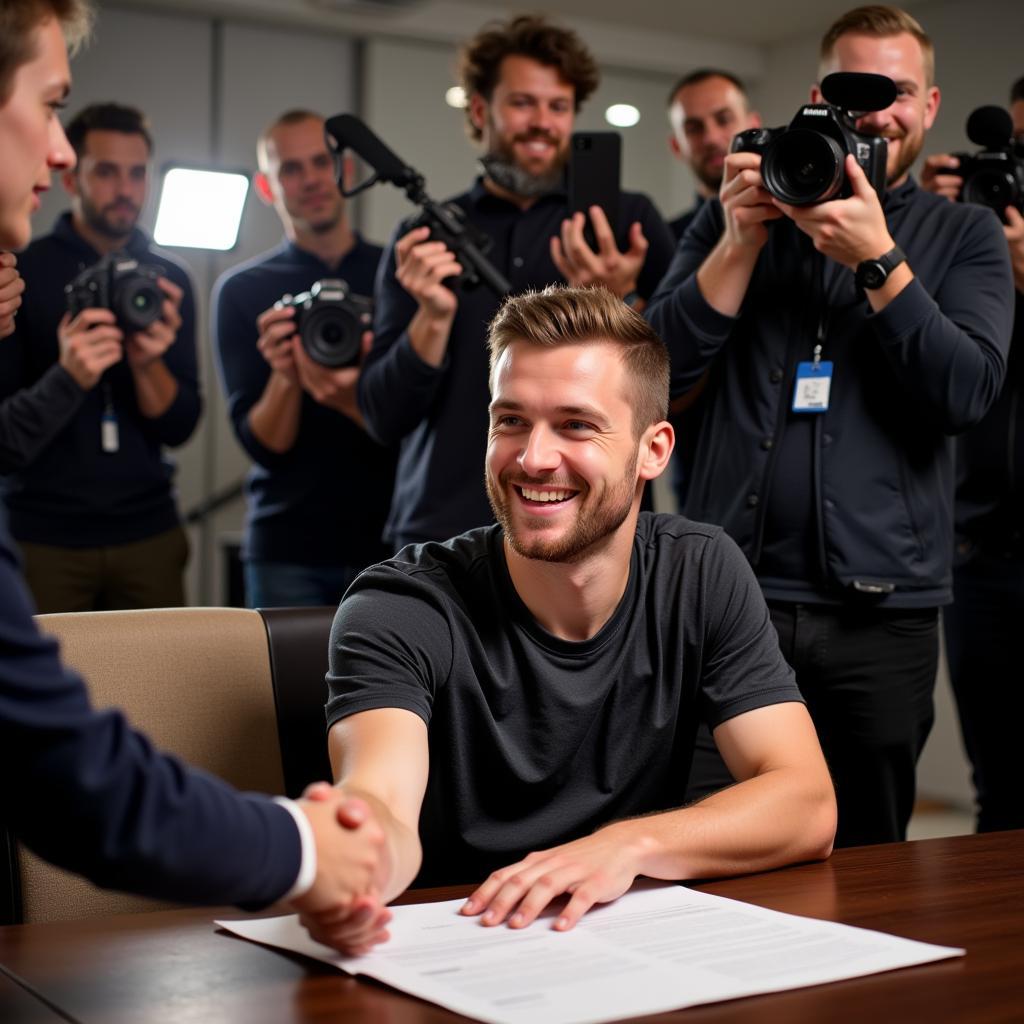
344, 907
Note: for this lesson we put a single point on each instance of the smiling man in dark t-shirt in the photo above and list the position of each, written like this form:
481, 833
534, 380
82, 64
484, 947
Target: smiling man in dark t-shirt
536, 685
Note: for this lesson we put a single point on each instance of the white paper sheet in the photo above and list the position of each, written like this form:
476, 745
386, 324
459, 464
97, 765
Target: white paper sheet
657, 948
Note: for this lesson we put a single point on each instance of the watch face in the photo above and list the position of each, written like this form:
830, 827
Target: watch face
872, 274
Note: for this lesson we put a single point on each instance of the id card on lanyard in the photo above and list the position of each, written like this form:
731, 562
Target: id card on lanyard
110, 440
813, 384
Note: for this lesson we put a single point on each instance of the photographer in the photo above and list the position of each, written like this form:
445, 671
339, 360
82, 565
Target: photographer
320, 487
88, 405
706, 108
982, 626
842, 504
425, 380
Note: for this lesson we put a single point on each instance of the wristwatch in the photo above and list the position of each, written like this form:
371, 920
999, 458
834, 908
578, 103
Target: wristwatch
872, 274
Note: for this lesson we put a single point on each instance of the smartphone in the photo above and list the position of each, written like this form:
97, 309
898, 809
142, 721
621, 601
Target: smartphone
595, 168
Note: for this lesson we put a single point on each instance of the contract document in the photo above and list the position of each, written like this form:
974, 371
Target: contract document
657, 948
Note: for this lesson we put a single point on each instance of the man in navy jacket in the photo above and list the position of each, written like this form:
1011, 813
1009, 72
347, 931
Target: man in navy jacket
80, 787
903, 305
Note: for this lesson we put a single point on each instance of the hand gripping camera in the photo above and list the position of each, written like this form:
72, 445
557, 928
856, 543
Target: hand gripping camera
330, 322
803, 163
120, 283
994, 176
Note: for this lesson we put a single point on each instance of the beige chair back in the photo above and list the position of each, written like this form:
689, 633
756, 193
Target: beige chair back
197, 681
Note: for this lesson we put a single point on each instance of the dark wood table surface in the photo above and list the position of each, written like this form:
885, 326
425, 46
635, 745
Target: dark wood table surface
174, 967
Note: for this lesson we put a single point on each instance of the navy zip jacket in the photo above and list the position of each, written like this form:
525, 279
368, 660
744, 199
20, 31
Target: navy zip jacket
876, 468
439, 413
87, 792
62, 488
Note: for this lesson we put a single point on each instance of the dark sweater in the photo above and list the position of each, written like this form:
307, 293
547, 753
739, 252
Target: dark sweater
61, 487
325, 500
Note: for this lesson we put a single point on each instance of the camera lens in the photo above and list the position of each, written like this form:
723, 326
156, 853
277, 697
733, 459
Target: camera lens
137, 302
995, 188
803, 167
331, 336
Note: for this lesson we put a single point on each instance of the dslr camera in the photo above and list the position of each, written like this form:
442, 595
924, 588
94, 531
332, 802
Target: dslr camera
994, 176
330, 322
122, 284
803, 163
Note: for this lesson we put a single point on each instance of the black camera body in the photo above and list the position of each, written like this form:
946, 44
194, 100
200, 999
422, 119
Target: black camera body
994, 176
803, 163
120, 283
330, 322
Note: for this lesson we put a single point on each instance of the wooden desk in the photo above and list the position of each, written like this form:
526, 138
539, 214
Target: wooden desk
173, 967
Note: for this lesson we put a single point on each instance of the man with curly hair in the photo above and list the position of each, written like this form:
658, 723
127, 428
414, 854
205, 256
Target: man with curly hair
424, 383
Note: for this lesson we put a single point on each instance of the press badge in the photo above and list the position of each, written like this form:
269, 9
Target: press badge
109, 440
813, 384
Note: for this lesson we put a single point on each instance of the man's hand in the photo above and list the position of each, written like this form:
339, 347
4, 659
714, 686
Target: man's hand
420, 267
596, 869
1014, 230
89, 344
334, 388
343, 908
11, 287
747, 206
144, 348
277, 341
581, 266
935, 176
846, 230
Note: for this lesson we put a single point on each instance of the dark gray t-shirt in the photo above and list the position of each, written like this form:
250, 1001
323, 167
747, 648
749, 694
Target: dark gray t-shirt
534, 740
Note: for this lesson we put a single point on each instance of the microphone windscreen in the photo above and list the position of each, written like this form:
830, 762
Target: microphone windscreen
853, 90
348, 132
990, 127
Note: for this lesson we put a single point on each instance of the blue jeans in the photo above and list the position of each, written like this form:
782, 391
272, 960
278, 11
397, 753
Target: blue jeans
287, 585
983, 628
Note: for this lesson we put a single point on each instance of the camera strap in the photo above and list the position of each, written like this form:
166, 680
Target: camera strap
110, 440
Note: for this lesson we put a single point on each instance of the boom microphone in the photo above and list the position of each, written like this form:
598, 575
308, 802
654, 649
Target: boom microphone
990, 127
348, 132
858, 91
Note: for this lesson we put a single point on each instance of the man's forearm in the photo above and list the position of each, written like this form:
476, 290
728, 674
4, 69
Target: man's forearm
155, 388
429, 335
777, 818
725, 275
405, 854
274, 419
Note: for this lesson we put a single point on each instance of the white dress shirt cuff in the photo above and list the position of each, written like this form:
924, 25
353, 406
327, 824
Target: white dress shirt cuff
307, 866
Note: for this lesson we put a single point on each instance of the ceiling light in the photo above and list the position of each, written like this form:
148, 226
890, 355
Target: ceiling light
622, 115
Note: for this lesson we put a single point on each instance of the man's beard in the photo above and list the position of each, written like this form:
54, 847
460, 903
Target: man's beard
711, 180
589, 529
500, 166
910, 149
99, 221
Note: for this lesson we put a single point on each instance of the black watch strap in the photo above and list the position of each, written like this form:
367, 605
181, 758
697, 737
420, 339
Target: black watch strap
871, 274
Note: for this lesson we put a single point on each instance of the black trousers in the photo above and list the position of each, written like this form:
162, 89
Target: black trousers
868, 676
983, 634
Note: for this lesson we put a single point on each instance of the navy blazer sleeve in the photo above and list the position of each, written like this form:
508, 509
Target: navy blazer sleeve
87, 792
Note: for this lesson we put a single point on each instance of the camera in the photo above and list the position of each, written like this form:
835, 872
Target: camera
994, 176
120, 283
803, 163
330, 322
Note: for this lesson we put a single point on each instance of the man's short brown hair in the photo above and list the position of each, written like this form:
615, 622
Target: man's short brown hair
527, 35
560, 315
18, 22
297, 115
880, 21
